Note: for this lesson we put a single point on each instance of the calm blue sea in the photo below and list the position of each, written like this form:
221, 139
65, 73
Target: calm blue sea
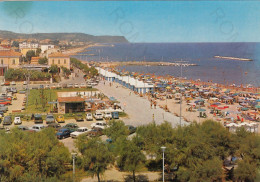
210, 68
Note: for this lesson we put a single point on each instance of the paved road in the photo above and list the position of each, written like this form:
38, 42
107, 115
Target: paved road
136, 107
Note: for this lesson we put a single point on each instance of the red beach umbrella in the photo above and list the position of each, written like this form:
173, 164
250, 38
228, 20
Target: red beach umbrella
213, 106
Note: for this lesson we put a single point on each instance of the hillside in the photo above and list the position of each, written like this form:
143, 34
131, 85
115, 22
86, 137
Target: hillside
64, 36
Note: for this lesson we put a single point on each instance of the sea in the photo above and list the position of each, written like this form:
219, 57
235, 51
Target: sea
208, 67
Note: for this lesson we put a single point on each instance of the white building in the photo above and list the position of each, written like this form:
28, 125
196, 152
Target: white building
26, 45
44, 48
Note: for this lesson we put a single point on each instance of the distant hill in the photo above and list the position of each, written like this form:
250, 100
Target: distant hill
64, 36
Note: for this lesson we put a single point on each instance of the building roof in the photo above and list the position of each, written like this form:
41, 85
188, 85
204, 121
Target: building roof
10, 54
70, 99
58, 55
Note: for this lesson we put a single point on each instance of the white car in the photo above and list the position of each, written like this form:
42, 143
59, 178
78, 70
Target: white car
98, 116
2, 83
108, 115
89, 117
99, 124
70, 85
80, 131
94, 83
13, 83
47, 86
37, 127
17, 120
76, 85
25, 83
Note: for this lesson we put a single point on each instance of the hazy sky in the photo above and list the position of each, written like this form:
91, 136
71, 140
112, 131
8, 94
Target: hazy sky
147, 21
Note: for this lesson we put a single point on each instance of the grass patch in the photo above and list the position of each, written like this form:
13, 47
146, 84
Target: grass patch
35, 98
122, 114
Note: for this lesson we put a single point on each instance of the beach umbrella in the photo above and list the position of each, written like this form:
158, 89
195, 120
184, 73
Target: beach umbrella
216, 103
201, 110
221, 108
258, 100
257, 107
168, 87
213, 106
244, 109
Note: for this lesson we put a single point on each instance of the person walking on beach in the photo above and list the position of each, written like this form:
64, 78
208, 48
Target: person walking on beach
151, 104
154, 104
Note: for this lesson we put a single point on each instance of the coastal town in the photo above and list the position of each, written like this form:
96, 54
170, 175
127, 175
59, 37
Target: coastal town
44, 86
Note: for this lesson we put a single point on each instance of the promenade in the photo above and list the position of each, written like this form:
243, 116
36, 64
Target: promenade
138, 109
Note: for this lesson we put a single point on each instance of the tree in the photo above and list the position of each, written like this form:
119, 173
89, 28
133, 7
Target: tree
38, 52
96, 157
54, 69
116, 129
29, 55
43, 60
25, 155
130, 158
15, 44
66, 72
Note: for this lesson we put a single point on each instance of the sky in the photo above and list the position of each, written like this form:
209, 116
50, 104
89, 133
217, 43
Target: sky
145, 21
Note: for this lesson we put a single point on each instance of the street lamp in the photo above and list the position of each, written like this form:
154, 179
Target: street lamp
73, 159
163, 150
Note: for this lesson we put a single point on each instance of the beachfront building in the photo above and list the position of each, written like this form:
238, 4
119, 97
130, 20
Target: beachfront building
127, 81
59, 59
28, 45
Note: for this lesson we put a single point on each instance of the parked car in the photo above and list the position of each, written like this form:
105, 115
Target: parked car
71, 126
98, 116
17, 120
76, 85
64, 85
99, 124
5, 102
80, 131
38, 118
7, 83
13, 83
83, 85
50, 119
23, 128
95, 132
60, 119
2, 83
89, 117
37, 127
108, 115
13, 90
25, 83
79, 117
115, 115
70, 85
56, 126
47, 86
7, 120
131, 129
63, 133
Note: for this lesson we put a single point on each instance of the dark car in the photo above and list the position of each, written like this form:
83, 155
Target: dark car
56, 126
95, 132
79, 117
115, 115
38, 118
131, 129
63, 133
7, 120
71, 126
